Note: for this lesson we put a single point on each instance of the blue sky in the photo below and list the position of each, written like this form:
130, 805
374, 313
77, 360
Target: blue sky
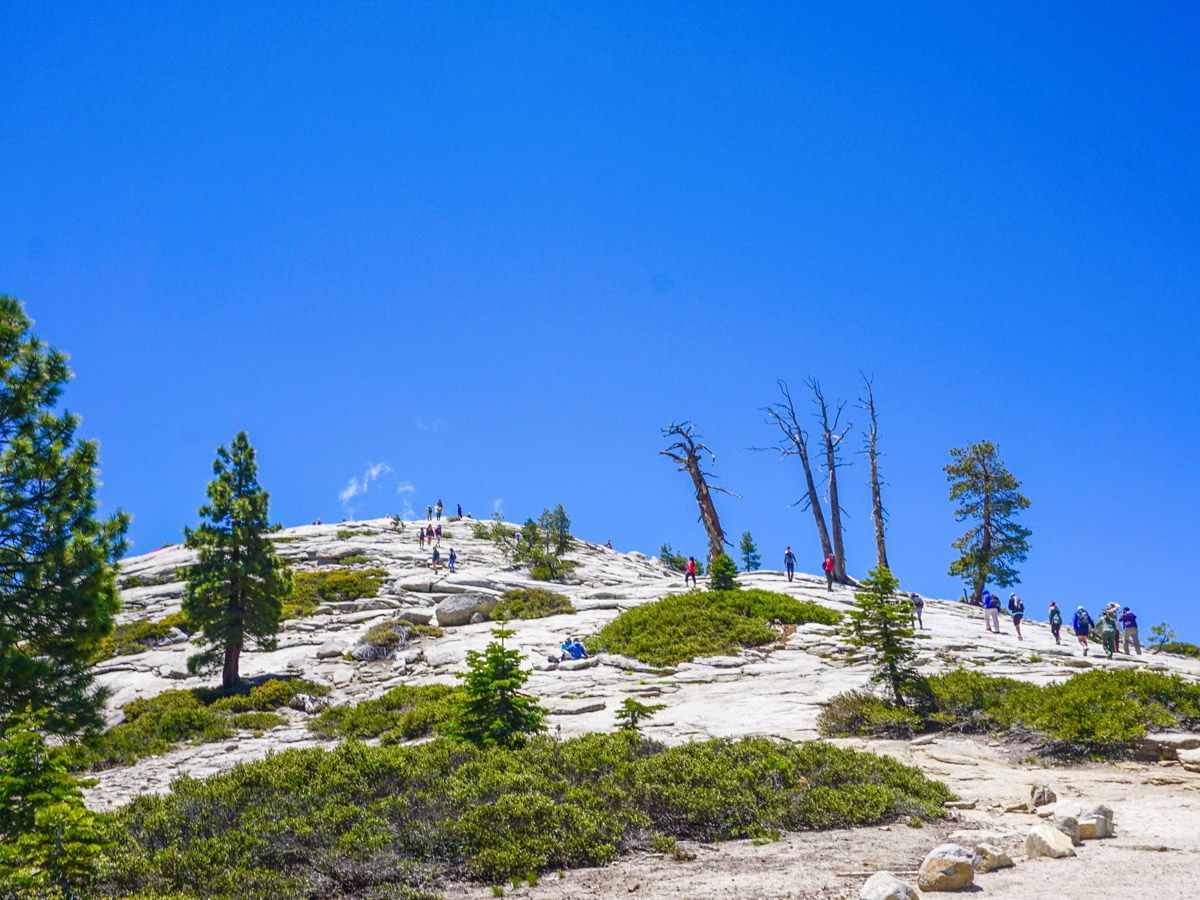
491, 249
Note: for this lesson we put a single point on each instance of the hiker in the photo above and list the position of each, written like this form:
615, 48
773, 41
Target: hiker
608, 543
1129, 623
572, 648
991, 612
437, 557
1108, 631
437, 532
689, 571
429, 513
458, 506
789, 562
451, 560
1082, 623
918, 603
828, 567
437, 510
1055, 621
421, 537
1016, 608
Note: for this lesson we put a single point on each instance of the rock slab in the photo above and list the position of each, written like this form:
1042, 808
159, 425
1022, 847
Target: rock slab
459, 609
1045, 840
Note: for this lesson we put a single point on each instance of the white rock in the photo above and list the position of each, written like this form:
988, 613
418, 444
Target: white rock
988, 858
948, 867
886, 886
458, 610
1068, 825
1045, 840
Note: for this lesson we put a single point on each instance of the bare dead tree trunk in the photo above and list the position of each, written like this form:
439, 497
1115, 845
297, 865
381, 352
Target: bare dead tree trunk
877, 512
831, 439
688, 452
795, 443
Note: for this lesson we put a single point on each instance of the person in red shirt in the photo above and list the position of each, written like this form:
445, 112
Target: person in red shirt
828, 567
690, 571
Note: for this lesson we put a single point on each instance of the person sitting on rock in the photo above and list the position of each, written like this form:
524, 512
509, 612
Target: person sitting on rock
572, 648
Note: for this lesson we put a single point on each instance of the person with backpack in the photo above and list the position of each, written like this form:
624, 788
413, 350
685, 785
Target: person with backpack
789, 562
428, 513
918, 603
437, 510
689, 571
437, 558
1016, 608
991, 612
1082, 623
451, 560
828, 567
1108, 631
421, 537
1055, 621
1129, 622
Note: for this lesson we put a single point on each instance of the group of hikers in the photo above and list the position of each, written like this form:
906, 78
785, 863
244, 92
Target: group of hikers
1114, 626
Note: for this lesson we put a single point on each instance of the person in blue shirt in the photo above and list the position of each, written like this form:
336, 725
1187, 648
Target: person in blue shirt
572, 648
1082, 623
991, 612
1129, 623
789, 562
452, 559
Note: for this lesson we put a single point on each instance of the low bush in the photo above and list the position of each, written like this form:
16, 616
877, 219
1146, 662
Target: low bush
681, 627
256, 721
532, 603
265, 696
311, 589
388, 636
399, 821
1100, 712
402, 714
1182, 648
138, 637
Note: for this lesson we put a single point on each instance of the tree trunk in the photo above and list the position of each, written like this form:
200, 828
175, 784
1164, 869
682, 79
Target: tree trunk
876, 495
708, 514
687, 452
229, 672
831, 439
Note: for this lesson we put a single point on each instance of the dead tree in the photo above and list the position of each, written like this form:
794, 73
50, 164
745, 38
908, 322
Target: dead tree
831, 439
795, 443
688, 452
872, 451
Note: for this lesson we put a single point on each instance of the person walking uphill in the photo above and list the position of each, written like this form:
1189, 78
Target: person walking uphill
689, 571
828, 567
789, 562
1055, 621
451, 560
1082, 624
1129, 622
1108, 632
991, 612
1016, 608
437, 510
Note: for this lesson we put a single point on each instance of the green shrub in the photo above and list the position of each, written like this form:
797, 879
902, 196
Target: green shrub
383, 821
264, 697
256, 721
311, 589
531, 603
681, 627
1182, 648
354, 559
722, 574
388, 636
137, 637
403, 713
429, 631
864, 713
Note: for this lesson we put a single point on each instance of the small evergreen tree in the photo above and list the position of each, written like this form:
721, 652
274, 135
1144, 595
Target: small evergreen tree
987, 493
632, 713
58, 592
722, 574
494, 712
50, 843
541, 546
1161, 635
881, 624
750, 558
676, 562
235, 590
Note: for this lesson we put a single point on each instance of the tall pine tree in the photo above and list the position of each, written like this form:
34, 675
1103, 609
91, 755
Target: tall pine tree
751, 561
58, 588
235, 590
989, 495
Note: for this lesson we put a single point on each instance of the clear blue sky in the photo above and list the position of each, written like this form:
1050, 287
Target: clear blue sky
497, 246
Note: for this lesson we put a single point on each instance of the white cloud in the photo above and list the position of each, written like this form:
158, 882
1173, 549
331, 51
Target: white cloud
498, 506
427, 425
405, 487
356, 487
352, 489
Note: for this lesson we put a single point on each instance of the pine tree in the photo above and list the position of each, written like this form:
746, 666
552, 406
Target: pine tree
494, 711
235, 590
722, 574
751, 561
987, 493
540, 545
58, 592
880, 623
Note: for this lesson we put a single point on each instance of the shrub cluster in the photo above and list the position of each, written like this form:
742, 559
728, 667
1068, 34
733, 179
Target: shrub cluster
531, 603
137, 637
1100, 712
681, 627
397, 821
311, 589
402, 714
154, 725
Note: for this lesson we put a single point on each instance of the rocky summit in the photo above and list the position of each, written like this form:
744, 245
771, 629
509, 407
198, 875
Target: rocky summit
1142, 813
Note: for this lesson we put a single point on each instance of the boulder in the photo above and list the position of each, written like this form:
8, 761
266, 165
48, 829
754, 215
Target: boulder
1045, 840
1096, 823
478, 618
988, 858
415, 616
886, 886
329, 650
307, 703
1068, 825
459, 609
1041, 795
948, 867
571, 665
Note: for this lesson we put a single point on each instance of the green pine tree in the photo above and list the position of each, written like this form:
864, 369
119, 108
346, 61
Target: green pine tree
50, 843
58, 592
987, 493
541, 546
235, 590
751, 561
632, 713
722, 574
494, 712
880, 623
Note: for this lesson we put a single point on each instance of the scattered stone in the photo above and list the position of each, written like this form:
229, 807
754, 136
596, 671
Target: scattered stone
886, 886
948, 867
1042, 795
478, 618
960, 804
458, 610
414, 616
579, 709
1068, 825
330, 650
1096, 823
988, 858
306, 703
1045, 840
